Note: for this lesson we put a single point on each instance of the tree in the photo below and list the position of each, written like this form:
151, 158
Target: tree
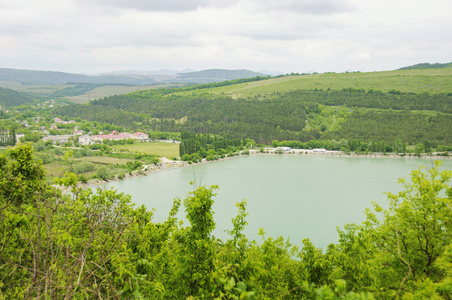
415, 231
55, 246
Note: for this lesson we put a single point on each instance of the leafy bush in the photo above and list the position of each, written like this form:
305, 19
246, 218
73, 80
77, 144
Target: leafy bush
46, 158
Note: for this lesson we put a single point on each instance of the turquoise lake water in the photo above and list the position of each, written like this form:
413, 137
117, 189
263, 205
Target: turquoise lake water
293, 196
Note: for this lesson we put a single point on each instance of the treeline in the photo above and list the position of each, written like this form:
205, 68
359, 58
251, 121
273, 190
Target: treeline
98, 245
150, 93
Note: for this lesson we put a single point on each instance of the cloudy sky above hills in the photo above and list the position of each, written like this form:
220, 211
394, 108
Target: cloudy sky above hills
94, 36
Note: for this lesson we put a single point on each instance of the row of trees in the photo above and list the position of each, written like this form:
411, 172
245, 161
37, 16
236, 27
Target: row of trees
98, 245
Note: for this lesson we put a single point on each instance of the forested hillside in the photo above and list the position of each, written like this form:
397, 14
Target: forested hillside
10, 98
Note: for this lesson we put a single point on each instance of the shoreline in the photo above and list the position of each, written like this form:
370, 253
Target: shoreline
170, 164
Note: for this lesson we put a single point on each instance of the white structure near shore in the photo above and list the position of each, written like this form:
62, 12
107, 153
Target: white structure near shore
88, 140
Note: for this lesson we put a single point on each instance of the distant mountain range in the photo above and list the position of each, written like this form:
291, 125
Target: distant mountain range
30, 77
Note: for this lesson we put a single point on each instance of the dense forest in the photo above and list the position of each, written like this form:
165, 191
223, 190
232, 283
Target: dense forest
260, 120
97, 244
390, 126
375, 116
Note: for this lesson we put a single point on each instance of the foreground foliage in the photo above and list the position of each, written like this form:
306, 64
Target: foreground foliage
98, 245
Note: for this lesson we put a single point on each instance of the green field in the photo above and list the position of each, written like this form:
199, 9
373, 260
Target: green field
168, 150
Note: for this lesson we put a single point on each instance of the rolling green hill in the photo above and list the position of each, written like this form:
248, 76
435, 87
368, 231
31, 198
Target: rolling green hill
433, 81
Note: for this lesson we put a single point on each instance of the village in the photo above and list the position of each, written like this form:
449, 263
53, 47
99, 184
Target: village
87, 139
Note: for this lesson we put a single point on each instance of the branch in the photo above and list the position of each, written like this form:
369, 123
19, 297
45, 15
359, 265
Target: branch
404, 261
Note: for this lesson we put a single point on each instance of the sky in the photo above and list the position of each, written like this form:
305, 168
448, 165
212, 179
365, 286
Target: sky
96, 36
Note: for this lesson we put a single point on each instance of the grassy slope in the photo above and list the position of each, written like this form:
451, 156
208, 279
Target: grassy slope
407, 81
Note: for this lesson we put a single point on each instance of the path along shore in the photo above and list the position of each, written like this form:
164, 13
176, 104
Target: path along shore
166, 163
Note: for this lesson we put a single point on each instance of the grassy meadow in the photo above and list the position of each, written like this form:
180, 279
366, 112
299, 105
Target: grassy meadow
168, 150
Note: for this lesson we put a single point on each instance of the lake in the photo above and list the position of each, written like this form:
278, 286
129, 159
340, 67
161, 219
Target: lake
294, 196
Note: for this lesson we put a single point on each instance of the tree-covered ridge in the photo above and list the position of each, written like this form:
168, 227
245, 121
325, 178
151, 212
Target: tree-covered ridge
98, 245
10, 98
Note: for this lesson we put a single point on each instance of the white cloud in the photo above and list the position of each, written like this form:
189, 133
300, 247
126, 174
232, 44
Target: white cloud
285, 35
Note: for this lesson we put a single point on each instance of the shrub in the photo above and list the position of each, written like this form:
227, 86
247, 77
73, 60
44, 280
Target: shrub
82, 178
103, 173
83, 167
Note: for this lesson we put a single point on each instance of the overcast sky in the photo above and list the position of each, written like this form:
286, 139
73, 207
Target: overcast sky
94, 36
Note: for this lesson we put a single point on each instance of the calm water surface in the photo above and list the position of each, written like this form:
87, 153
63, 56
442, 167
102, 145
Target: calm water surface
293, 196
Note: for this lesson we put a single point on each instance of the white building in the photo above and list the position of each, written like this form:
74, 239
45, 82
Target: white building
85, 140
